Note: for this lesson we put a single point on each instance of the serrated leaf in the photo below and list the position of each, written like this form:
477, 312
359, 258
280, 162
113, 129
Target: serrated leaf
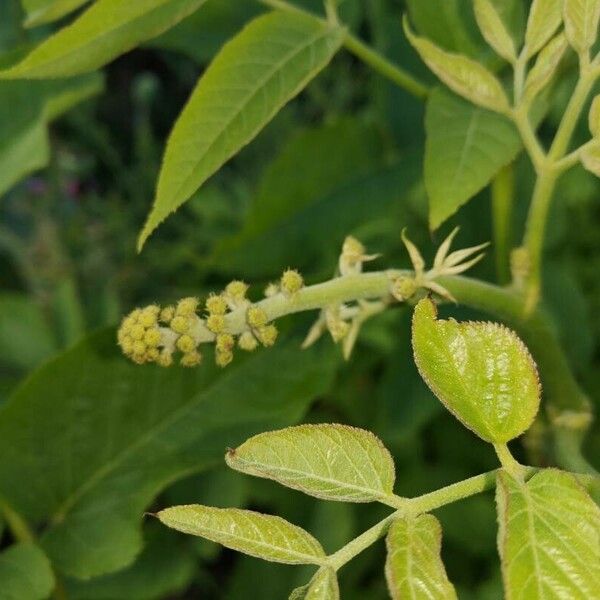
482, 372
594, 117
263, 536
333, 462
590, 157
548, 537
89, 439
545, 17
465, 147
545, 67
251, 79
494, 31
463, 75
323, 586
581, 23
413, 566
25, 573
104, 31
38, 12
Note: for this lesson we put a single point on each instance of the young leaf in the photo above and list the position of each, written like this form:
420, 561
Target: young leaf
581, 23
25, 573
333, 462
323, 586
548, 537
545, 17
594, 117
590, 157
482, 372
413, 566
465, 147
494, 31
264, 536
545, 67
148, 437
461, 74
39, 12
104, 31
253, 76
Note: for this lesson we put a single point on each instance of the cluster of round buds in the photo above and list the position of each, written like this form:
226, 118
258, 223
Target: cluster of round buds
140, 338
260, 328
182, 322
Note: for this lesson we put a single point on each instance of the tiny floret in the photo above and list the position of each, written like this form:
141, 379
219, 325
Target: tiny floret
215, 323
216, 305
149, 316
404, 288
256, 316
137, 332
186, 343
223, 358
152, 337
167, 313
187, 307
139, 348
236, 290
165, 359
225, 342
247, 341
291, 281
191, 359
267, 335
180, 324
271, 290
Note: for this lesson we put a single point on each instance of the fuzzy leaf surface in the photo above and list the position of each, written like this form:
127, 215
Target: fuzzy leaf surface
482, 372
323, 586
581, 23
493, 29
263, 536
255, 74
104, 31
414, 567
549, 537
332, 462
465, 147
545, 17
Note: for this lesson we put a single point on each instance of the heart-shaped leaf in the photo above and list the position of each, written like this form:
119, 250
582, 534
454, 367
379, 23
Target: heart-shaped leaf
482, 372
264, 536
333, 462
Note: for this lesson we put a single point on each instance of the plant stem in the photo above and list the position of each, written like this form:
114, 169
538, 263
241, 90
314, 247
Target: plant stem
17, 525
502, 209
366, 54
508, 461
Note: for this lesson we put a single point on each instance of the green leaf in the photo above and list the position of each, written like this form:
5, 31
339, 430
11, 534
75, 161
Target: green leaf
323, 586
463, 75
38, 12
104, 31
545, 67
466, 146
545, 17
414, 567
494, 31
548, 537
590, 157
263, 536
332, 462
25, 573
482, 372
90, 439
581, 23
25, 335
253, 76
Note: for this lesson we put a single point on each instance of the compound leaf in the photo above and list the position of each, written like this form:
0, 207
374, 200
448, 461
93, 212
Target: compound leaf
465, 147
482, 372
333, 462
254, 75
25, 573
104, 31
414, 567
264, 536
90, 439
548, 537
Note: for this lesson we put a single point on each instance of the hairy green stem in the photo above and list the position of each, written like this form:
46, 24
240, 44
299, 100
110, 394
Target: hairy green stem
366, 54
503, 196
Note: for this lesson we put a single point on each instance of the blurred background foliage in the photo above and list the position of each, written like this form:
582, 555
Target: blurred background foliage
78, 164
